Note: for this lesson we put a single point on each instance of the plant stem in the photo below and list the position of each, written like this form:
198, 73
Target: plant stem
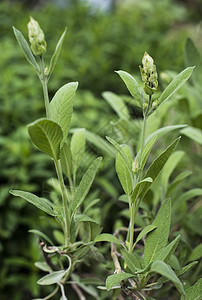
131, 229
64, 201
45, 87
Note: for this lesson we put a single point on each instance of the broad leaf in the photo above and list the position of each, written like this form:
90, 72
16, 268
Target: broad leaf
52, 278
131, 84
168, 251
131, 261
175, 84
158, 238
26, 49
39, 202
106, 237
85, 184
193, 133
165, 270
114, 279
122, 170
77, 149
117, 104
56, 54
47, 136
61, 106
156, 167
194, 292
145, 231
66, 160
137, 188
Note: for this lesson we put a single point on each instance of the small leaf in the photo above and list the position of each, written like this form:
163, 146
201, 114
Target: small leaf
186, 196
196, 253
145, 231
66, 160
137, 188
83, 218
131, 261
61, 106
147, 150
78, 142
41, 234
114, 279
52, 278
131, 84
47, 136
193, 133
165, 270
26, 49
158, 238
166, 253
106, 237
117, 104
56, 54
186, 268
43, 266
85, 184
195, 291
122, 170
175, 84
39, 202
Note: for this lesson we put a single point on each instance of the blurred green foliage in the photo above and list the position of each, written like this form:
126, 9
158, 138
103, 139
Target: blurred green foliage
97, 43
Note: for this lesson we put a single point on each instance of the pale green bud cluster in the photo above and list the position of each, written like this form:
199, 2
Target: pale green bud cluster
149, 74
36, 37
135, 166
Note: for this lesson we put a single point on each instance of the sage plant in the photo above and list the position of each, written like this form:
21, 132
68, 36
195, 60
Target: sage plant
49, 135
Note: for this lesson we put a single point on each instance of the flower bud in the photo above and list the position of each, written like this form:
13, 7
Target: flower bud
36, 37
155, 104
135, 166
149, 74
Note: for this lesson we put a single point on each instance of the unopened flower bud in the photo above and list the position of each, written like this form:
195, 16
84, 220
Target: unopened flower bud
149, 74
36, 37
135, 166
155, 104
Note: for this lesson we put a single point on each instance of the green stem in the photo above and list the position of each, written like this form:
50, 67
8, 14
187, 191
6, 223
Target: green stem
45, 87
64, 201
144, 127
131, 229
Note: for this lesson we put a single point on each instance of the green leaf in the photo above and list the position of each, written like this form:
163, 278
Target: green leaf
122, 170
78, 142
114, 279
85, 184
166, 253
165, 270
66, 160
56, 54
156, 167
52, 278
158, 238
41, 234
195, 291
106, 237
193, 133
26, 49
145, 231
117, 104
83, 218
39, 202
175, 84
186, 196
147, 150
131, 84
61, 106
178, 179
186, 268
137, 188
47, 136
192, 58
42, 266
131, 261
196, 253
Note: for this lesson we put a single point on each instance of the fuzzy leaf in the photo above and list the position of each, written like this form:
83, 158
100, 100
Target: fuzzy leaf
52, 278
195, 291
168, 251
39, 202
66, 160
83, 218
117, 104
41, 234
186, 268
193, 133
158, 238
85, 184
77, 149
106, 237
175, 84
145, 231
61, 106
196, 253
43, 266
137, 188
47, 136
147, 150
114, 279
131, 261
26, 49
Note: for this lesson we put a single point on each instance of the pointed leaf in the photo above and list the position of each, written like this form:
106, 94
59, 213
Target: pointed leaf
137, 188
175, 84
52, 278
193, 58
106, 237
186, 196
131, 84
39, 202
78, 142
193, 133
56, 54
145, 231
43, 266
122, 170
41, 234
66, 160
166, 253
85, 184
26, 49
83, 218
158, 238
196, 253
165, 270
131, 261
147, 150
114, 279
117, 104
195, 291
186, 268
61, 106
47, 136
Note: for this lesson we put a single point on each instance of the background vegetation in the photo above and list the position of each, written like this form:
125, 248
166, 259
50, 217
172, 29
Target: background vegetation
97, 43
